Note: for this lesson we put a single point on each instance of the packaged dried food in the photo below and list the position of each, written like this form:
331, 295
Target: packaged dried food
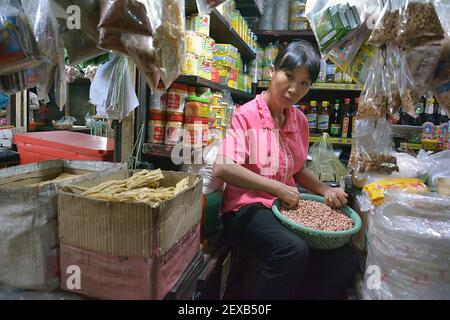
374, 97
387, 25
18, 45
111, 40
124, 16
80, 40
419, 24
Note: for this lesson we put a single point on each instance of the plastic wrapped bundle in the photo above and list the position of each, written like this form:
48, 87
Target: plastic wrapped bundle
266, 22
281, 15
409, 241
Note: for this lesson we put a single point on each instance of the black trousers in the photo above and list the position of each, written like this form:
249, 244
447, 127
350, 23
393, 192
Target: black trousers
291, 269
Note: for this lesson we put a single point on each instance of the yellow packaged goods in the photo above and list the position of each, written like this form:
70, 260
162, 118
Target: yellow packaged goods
299, 24
205, 69
228, 62
375, 190
218, 110
217, 99
191, 65
200, 23
194, 43
226, 50
208, 47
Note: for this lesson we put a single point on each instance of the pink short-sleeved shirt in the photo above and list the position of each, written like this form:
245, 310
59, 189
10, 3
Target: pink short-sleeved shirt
255, 142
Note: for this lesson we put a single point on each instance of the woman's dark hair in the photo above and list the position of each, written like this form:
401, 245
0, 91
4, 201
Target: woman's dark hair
299, 54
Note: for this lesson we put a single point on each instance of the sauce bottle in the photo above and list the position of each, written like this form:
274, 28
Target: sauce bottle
323, 119
336, 120
312, 116
346, 119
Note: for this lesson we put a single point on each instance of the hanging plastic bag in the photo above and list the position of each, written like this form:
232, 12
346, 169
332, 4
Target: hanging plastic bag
333, 21
325, 164
169, 28
206, 6
125, 16
19, 81
372, 150
141, 50
391, 76
374, 97
441, 79
419, 24
79, 29
45, 29
18, 45
410, 93
110, 40
438, 165
387, 25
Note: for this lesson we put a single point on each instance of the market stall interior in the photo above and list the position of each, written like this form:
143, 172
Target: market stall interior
111, 122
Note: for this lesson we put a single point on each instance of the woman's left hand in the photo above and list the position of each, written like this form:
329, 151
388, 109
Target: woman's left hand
335, 198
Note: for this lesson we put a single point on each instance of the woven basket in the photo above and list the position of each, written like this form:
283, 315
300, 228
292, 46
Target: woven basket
319, 239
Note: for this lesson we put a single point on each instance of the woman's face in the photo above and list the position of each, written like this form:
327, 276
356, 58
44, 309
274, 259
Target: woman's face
289, 86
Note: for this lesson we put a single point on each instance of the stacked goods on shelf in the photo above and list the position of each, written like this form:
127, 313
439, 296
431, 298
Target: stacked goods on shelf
331, 73
29, 247
297, 18
199, 47
132, 233
195, 117
285, 15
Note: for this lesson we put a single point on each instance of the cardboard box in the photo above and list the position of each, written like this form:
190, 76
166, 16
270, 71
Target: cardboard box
127, 228
28, 226
112, 277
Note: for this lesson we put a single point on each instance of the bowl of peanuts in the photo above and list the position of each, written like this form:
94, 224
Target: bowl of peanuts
319, 225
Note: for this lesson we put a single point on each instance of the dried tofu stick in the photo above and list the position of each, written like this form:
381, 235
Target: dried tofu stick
103, 186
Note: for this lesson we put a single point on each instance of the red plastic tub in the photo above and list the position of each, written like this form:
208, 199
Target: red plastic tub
66, 145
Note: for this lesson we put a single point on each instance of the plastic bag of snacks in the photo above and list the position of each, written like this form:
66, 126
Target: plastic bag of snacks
419, 23
441, 79
125, 16
333, 21
45, 29
169, 27
410, 93
18, 45
141, 50
387, 25
374, 97
391, 77
80, 42
372, 150
111, 40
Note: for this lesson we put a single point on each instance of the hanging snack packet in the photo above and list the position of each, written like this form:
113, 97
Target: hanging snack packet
419, 24
18, 46
124, 16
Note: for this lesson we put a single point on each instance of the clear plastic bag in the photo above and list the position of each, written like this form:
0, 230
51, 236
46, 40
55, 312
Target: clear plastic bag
408, 238
438, 165
391, 76
333, 21
441, 79
374, 97
419, 23
124, 16
19, 81
387, 25
18, 45
111, 40
81, 43
325, 164
372, 149
141, 50
410, 93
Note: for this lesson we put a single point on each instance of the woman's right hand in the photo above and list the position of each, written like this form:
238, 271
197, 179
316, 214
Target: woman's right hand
289, 195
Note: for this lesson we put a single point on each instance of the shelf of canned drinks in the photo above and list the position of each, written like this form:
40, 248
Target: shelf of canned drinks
264, 84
